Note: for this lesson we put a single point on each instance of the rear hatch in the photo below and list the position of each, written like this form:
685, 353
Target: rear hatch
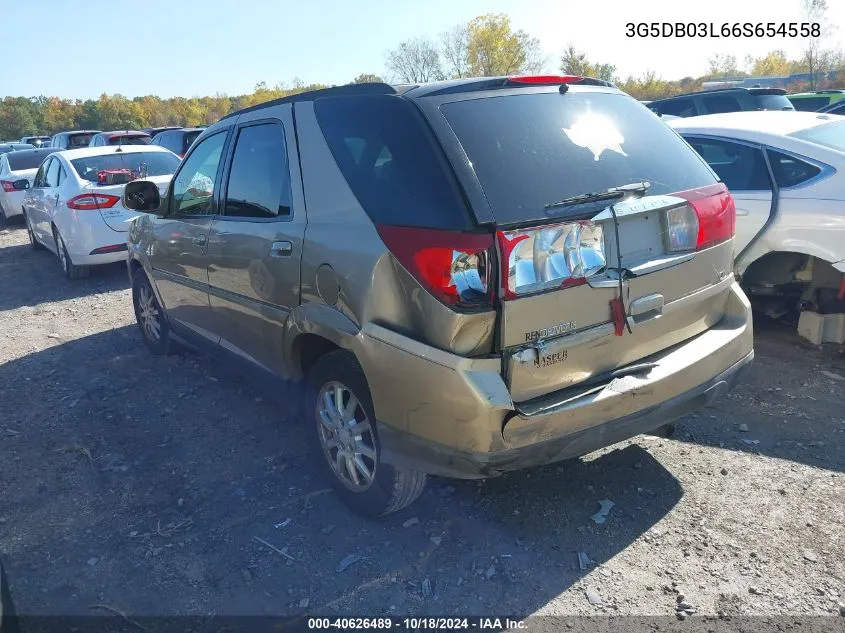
771, 99
117, 216
565, 316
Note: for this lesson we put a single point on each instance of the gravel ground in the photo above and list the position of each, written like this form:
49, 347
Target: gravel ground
174, 486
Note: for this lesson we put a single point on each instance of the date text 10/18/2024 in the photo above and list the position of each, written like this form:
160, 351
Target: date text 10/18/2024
415, 624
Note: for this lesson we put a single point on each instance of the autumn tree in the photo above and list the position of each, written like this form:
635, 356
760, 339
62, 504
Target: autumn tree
454, 49
415, 61
723, 65
772, 64
575, 62
816, 60
367, 78
493, 48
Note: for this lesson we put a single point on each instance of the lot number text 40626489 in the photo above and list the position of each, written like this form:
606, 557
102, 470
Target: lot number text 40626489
726, 29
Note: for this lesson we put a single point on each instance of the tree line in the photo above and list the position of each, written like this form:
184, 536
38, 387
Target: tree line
483, 47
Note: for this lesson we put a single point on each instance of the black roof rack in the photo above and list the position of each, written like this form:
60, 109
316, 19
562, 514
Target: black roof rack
335, 91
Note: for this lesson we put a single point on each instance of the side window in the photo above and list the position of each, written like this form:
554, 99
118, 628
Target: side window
38, 181
720, 103
678, 107
740, 167
840, 109
62, 174
259, 179
791, 171
193, 188
52, 177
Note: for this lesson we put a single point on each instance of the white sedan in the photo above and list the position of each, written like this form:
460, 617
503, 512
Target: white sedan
786, 171
74, 206
17, 170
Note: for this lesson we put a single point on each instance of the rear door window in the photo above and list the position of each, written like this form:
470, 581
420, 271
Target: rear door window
740, 167
714, 104
790, 171
259, 178
678, 107
51, 178
391, 161
532, 150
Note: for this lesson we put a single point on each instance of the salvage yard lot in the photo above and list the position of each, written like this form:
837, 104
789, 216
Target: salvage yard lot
154, 485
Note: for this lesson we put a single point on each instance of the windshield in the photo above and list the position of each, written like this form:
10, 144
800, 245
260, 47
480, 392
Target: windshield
18, 161
773, 102
130, 140
529, 150
830, 135
76, 141
157, 164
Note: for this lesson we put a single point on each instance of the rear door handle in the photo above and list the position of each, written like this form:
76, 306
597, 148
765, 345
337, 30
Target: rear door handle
281, 249
200, 240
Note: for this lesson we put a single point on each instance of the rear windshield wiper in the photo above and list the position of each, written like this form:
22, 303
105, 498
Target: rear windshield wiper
614, 193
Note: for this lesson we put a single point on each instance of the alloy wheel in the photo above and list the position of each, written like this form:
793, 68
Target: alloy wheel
346, 435
148, 314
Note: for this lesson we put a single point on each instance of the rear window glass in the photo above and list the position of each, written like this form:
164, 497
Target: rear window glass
829, 134
129, 140
75, 141
19, 161
772, 102
391, 162
530, 150
157, 164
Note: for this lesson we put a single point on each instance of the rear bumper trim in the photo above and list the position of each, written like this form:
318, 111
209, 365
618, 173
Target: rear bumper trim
411, 451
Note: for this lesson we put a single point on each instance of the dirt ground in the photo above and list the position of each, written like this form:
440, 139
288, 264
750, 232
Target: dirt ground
174, 486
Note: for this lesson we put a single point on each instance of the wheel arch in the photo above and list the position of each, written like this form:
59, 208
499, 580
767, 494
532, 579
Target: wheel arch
312, 330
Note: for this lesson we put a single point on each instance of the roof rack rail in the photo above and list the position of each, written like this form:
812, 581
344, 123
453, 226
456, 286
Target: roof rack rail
334, 91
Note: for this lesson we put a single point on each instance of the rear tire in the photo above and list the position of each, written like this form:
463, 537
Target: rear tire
149, 314
71, 270
345, 440
32, 241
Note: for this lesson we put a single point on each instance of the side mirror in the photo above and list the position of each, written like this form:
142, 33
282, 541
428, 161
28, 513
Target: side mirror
21, 185
142, 195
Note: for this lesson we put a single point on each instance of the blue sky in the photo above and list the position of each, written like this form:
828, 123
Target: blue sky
201, 47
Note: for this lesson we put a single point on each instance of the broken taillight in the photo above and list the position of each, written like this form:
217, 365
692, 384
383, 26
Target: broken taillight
452, 265
551, 256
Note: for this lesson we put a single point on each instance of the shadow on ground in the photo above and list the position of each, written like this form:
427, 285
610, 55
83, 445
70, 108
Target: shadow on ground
145, 483
45, 281
792, 412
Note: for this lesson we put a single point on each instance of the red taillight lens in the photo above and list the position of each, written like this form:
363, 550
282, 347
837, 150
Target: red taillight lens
8, 186
716, 213
92, 201
452, 265
543, 79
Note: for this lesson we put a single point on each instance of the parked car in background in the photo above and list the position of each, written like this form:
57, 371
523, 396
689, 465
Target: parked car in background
126, 137
834, 108
816, 100
445, 254
722, 100
152, 131
17, 171
177, 141
15, 147
35, 141
75, 139
786, 172
74, 205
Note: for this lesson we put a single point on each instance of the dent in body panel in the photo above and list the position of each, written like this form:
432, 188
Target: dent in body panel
373, 287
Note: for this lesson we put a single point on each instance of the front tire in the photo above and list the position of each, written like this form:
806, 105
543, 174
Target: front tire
149, 315
71, 270
345, 437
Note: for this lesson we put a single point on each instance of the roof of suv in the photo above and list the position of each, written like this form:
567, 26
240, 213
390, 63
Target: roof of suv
425, 89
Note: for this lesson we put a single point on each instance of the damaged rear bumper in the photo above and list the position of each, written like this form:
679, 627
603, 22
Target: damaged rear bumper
451, 416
